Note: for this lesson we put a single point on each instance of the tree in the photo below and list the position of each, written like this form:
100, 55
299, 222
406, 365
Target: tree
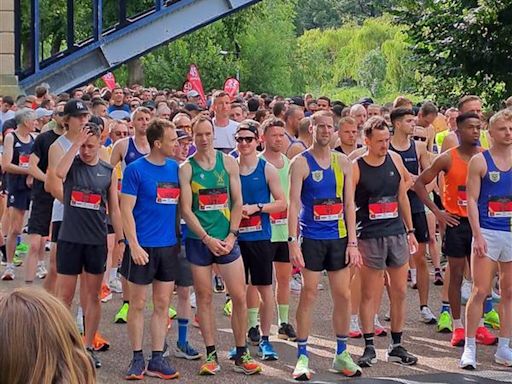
373, 71
461, 47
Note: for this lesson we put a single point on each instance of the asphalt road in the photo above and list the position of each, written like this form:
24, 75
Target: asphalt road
438, 360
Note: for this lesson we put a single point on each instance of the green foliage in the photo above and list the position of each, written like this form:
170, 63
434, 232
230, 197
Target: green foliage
373, 71
461, 47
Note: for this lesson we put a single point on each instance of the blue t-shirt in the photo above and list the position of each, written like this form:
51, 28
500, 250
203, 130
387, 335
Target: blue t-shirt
157, 190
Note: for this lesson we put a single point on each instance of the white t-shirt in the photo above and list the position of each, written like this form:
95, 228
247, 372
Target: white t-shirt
4, 116
225, 136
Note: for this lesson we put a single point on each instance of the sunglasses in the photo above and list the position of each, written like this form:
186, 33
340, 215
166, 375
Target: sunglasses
134, 106
419, 138
183, 127
61, 114
248, 139
121, 134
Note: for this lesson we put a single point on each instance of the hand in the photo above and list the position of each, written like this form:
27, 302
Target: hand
248, 210
119, 249
413, 243
29, 181
139, 255
229, 242
447, 219
296, 257
353, 257
479, 246
216, 246
82, 137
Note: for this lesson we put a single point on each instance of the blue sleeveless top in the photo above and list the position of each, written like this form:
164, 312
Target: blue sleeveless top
321, 216
255, 190
495, 200
132, 153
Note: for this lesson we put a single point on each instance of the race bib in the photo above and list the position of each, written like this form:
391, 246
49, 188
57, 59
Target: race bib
23, 160
252, 224
85, 199
383, 208
279, 218
213, 199
327, 209
119, 184
500, 206
167, 193
462, 200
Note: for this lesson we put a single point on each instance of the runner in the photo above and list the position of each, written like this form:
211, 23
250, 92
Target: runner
224, 127
381, 182
347, 136
15, 160
304, 139
89, 190
489, 193
414, 157
211, 204
321, 180
294, 114
149, 198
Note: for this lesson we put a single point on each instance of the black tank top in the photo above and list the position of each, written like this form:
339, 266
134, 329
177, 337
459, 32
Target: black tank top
377, 200
20, 155
410, 159
85, 197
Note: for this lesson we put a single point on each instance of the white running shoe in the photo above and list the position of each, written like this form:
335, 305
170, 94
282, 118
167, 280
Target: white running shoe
115, 285
296, 283
355, 330
465, 291
47, 246
427, 316
41, 271
8, 273
468, 359
503, 356
80, 320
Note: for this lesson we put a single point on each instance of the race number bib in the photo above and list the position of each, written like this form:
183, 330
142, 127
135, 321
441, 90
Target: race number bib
327, 209
279, 218
251, 224
213, 199
500, 206
23, 160
383, 208
462, 200
85, 199
167, 193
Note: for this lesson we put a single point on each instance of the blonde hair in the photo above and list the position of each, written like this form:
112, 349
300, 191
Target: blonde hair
504, 114
39, 342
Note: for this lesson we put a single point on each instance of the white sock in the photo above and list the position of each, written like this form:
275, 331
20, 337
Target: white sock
413, 275
470, 342
481, 323
113, 273
503, 342
457, 323
354, 318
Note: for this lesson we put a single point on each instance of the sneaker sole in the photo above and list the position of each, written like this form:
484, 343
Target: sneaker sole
119, 321
496, 327
444, 330
398, 360
162, 376
367, 364
135, 377
245, 371
430, 322
302, 377
468, 367
182, 355
461, 343
505, 362
268, 357
346, 373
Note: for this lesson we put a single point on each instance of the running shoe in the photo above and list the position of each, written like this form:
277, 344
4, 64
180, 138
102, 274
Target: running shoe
47, 246
266, 351
95, 361
344, 364
100, 344
186, 351
458, 337
172, 313
3, 260
80, 321
232, 354
427, 316
438, 278
254, 335
409, 278
8, 273
193, 302
160, 367
22, 247
496, 296
17, 260
121, 317
165, 351
354, 331
400, 355
41, 270
503, 356
228, 307
210, 366
387, 316
465, 291
115, 285
468, 359
492, 319
218, 284
302, 371
379, 328
246, 365
485, 337
445, 323
368, 358
286, 332
105, 294
296, 283
136, 369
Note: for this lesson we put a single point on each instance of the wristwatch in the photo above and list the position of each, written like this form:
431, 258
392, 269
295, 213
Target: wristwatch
122, 241
291, 239
260, 206
235, 232
412, 230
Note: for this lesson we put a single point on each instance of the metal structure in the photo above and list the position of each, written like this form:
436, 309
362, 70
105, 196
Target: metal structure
86, 50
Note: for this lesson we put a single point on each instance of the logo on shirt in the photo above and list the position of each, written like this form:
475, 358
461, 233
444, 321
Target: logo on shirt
317, 175
494, 176
391, 173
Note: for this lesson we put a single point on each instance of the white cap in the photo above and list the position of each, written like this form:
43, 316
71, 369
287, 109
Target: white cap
43, 112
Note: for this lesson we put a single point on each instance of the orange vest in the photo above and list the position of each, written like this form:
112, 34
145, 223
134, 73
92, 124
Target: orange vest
454, 191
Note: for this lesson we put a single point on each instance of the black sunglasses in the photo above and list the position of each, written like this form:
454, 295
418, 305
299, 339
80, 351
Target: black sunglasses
419, 138
248, 139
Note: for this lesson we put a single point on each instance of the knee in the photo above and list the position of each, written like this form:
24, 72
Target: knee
137, 303
479, 293
204, 296
183, 293
238, 296
506, 294
309, 294
399, 293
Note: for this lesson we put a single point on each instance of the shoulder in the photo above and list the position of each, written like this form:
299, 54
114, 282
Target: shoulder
106, 165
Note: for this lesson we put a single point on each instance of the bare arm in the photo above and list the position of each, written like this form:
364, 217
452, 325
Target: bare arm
113, 208
449, 141
279, 204
403, 200
52, 183
235, 193
117, 152
298, 172
34, 170
477, 169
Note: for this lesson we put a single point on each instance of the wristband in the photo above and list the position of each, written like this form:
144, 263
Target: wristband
352, 244
204, 237
410, 231
122, 241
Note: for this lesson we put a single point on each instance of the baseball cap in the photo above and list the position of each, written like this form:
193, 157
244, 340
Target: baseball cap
192, 93
366, 101
149, 104
248, 125
43, 112
182, 135
192, 107
297, 100
75, 107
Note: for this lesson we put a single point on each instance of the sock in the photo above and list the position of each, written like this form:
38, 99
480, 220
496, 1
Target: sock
368, 339
354, 318
445, 307
341, 344
302, 347
264, 338
4, 251
211, 349
252, 317
481, 323
457, 323
488, 304
182, 331
423, 306
503, 342
156, 354
126, 302
396, 338
470, 342
18, 240
240, 351
39, 262
138, 354
282, 313
113, 273
413, 275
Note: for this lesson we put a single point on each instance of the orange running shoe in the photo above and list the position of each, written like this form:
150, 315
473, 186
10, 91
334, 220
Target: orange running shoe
210, 366
105, 294
458, 337
485, 337
246, 365
99, 343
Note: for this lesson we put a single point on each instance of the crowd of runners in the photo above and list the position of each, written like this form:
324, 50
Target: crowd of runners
256, 196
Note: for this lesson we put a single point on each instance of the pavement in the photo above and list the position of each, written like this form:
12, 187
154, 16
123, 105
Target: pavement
438, 360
